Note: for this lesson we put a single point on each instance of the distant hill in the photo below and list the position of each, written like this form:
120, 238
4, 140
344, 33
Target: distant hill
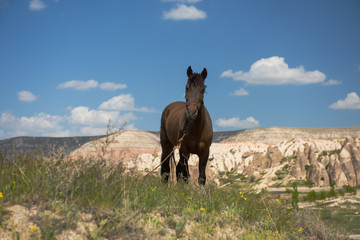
274, 135
30, 144
46, 144
268, 135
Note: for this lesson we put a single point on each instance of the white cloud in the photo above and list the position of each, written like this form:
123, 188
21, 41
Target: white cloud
37, 5
236, 122
84, 116
80, 120
130, 127
145, 109
274, 71
79, 85
183, 12
26, 96
98, 118
123, 102
95, 122
40, 124
240, 92
110, 86
90, 84
332, 82
352, 102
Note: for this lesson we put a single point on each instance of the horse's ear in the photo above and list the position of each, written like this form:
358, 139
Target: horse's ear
204, 74
189, 71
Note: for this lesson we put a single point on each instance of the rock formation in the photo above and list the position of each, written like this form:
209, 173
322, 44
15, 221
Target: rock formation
127, 145
338, 169
299, 168
262, 154
273, 156
316, 173
336, 174
350, 161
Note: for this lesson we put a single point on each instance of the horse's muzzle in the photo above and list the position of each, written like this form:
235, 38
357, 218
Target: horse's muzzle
191, 112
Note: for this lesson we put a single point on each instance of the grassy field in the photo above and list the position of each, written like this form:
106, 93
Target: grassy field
51, 197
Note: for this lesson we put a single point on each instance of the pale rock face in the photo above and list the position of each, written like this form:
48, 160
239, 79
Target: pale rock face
355, 153
256, 152
128, 144
317, 174
336, 174
274, 156
298, 170
349, 156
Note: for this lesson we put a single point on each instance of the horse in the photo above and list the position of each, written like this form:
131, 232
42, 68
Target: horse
189, 121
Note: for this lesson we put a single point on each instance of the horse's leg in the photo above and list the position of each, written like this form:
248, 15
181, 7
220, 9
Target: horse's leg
182, 169
166, 153
165, 165
203, 158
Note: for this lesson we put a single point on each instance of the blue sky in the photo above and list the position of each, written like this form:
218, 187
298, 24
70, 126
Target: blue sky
67, 67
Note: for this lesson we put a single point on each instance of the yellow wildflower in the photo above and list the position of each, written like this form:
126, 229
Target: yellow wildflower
1, 195
14, 182
202, 209
300, 229
278, 200
33, 227
288, 207
242, 195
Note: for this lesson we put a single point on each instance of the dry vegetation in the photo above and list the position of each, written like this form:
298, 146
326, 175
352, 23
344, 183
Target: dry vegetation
46, 196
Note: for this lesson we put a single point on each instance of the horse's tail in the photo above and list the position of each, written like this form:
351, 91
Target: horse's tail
173, 167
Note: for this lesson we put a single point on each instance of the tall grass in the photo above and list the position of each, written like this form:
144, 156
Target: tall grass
128, 205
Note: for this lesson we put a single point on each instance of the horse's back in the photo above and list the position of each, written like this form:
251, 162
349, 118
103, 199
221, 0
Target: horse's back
170, 121
174, 109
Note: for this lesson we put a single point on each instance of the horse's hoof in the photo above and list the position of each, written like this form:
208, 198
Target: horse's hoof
165, 178
202, 181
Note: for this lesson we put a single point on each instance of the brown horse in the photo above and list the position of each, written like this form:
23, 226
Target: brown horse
192, 121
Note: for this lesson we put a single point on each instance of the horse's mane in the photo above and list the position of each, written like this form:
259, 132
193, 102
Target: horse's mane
196, 80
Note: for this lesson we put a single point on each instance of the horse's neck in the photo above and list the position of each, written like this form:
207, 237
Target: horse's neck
196, 123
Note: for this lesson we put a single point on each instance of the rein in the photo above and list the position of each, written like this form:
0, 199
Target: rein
177, 146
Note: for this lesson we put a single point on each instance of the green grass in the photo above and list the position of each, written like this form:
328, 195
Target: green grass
127, 205
348, 213
313, 196
336, 217
282, 173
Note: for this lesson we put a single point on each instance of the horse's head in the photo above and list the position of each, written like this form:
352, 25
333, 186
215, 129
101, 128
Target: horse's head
195, 89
